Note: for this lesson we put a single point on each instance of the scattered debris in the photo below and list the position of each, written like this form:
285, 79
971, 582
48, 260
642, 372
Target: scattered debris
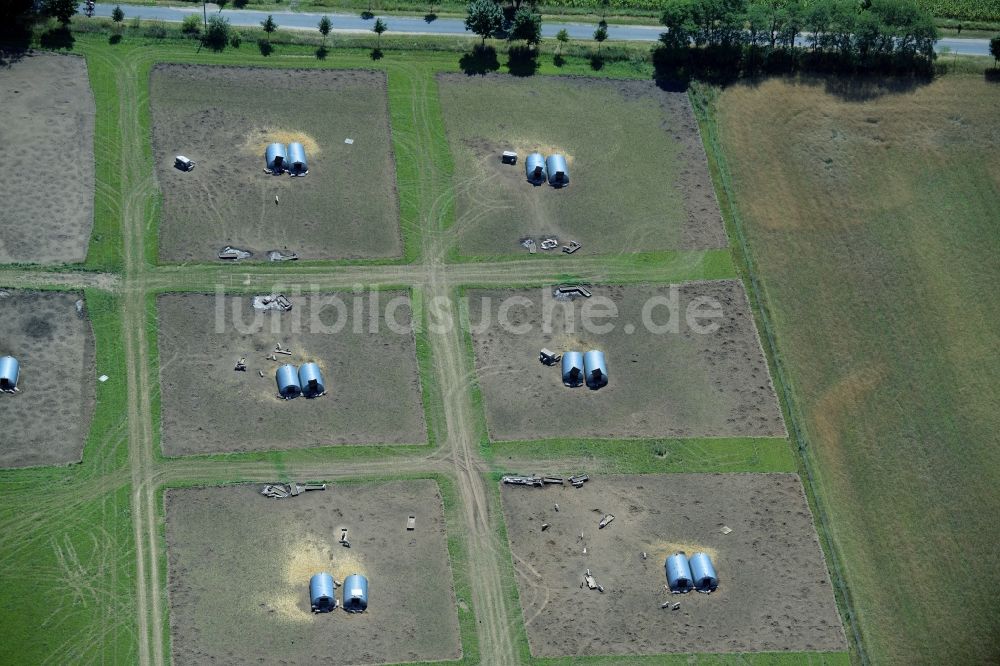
570, 292
672, 606
272, 302
103, 378
522, 480
283, 490
278, 255
349, 142
234, 253
278, 350
530, 244
80, 308
548, 357
343, 538
261, 373
578, 480
241, 365
726, 529
509, 157
183, 163
605, 521
550, 243
545, 526
644, 556
556, 507
592, 582
275, 199
411, 523
572, 247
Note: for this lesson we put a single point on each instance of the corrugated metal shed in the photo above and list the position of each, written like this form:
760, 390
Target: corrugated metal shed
678, 573
9, 371
297, 164
275, 156
572, 368
311, 380
558, 172
355, 593
288, 381
703, 573
534, 167
596, 369
321, 595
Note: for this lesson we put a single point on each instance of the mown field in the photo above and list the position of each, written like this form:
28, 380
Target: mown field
870, 214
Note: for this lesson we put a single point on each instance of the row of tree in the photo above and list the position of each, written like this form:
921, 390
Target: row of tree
862, 32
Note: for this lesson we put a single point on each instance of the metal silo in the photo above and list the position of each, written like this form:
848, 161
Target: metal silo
275, 156
678, 573
321, 595
572, 368
596, 369
355, 593
534, 168
703, 573
311, 380
297, 164
9, 371
288, 382
558, 172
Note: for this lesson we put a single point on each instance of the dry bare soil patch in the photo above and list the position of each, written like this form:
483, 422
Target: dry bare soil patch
661, 384
373, 386
240, 563
774, 593
224, 117
638, 175
48, 421
47, 189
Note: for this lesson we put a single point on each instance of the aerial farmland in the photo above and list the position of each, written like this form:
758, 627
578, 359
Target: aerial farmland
326, 345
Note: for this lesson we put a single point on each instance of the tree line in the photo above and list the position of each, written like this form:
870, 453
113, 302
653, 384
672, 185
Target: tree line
734, 36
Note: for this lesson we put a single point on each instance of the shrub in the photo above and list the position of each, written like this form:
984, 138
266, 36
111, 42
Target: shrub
217, 35
156, 30
191, 25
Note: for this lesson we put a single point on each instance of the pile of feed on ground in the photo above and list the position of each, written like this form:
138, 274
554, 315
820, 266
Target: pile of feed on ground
224, 117
871, 210
47, 189
373, 386
638, 174
662, 383
774, 593
240, 564
47, 422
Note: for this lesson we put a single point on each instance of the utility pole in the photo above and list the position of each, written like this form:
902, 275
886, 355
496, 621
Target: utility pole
204, 10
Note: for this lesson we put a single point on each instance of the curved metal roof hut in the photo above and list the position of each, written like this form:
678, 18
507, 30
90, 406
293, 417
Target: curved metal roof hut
596, 369
555, 165
9, 371
534, 168
679, 573
572, 368
703, 573
288, 382
297, 164
311, 380
355, 593
275, 157
322, 598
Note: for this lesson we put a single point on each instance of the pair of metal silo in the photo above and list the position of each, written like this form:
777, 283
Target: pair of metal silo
292, 158
323, 596
695, 573
306, 380
538, 169
579, 368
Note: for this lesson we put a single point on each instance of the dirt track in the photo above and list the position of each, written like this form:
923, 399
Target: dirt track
774, 593
47, 131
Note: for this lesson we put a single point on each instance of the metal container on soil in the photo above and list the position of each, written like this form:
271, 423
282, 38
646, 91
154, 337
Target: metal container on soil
557, 169
311, 380
9, 371
534, 168
703, 573
572, 368
275, 156
355, 593
297, 164
596, 369
287, 377
322, 598
679, 573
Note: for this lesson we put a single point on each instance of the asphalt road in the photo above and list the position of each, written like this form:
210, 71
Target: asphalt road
442, 26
